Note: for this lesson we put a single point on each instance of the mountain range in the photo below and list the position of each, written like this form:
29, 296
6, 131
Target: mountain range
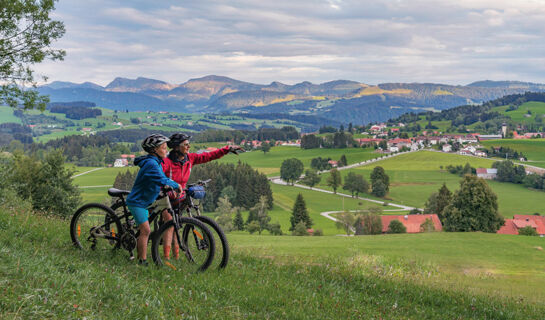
340, 100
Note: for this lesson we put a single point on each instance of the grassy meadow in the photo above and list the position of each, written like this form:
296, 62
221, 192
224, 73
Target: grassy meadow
270, 162
424, 276
533, 149
521, 115
415, 176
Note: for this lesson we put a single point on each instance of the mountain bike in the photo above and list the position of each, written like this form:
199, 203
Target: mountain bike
190, 205
96, 227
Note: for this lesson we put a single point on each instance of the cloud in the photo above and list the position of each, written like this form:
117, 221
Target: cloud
291, 41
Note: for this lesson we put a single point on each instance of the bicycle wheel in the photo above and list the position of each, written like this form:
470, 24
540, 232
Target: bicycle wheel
95, 227
197, 246
222, 246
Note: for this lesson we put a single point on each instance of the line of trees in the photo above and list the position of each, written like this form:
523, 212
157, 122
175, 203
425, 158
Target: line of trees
336, 140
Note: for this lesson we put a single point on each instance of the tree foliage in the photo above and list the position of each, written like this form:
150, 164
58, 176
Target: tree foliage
300, 213
238, 222
27, 33
368, 223
528, 231
380, 182
300, 229
248, 184
47, 184
396, 226
474, 207
438, 201
334, 180
427, 226
355, 183
320, 163
291, 170
345, 221
311, 178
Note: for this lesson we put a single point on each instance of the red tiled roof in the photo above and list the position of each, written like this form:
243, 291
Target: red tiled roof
481, 171
538, 221
511, 226
521, 223
508, 228
412, 222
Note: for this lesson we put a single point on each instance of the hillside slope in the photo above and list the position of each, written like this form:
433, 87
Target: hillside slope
272, 277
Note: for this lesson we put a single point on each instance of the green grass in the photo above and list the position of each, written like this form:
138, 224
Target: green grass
415, 176
270, 162
316, 202
519, 115
533, 149
426, 276
6, 115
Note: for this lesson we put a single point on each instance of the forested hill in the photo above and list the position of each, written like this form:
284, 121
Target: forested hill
340, 100
496, 111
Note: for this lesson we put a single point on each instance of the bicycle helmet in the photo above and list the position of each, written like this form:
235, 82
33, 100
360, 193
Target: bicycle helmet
150, 143
176, 139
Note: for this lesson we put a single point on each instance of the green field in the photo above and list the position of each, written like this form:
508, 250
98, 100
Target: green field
171, 121
533, 149
270, 162
521, 114
6, 115
415, 176
423, 276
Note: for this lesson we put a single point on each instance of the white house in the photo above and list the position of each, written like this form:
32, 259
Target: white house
487, 173
121, 163
447, 148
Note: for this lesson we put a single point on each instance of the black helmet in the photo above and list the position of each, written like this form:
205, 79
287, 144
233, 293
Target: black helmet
150, 143
176, 139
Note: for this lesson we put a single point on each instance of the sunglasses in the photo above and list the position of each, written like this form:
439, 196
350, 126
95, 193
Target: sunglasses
187, 144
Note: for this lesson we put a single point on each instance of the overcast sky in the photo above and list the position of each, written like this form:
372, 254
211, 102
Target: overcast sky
453, 42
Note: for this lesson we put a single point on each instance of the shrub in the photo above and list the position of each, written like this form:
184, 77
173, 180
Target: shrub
427, 226
318, 232
300, 229
252, 227
275, 229
396, 226
527, 231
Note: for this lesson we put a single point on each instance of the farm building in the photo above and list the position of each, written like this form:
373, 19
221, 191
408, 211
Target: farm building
487, 173
411, 221
519, 221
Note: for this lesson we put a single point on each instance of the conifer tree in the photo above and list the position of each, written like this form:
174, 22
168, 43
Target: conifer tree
238, 222
300, 213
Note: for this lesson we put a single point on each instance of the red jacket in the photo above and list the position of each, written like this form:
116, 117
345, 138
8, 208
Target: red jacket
180, 171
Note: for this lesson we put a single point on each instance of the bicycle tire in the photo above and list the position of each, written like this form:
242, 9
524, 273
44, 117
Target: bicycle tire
223, 239
202, 248
95, 221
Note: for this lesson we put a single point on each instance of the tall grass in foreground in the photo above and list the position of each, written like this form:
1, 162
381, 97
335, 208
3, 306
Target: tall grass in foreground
42, 276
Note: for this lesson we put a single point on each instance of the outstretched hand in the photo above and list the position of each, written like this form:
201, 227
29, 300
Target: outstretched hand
236, 149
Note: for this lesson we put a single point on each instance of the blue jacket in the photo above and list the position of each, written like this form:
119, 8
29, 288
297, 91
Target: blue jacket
148, 182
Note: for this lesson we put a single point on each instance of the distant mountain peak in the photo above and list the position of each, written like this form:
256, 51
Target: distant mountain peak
121, 84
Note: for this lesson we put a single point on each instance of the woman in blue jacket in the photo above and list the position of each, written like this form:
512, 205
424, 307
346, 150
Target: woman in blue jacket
147, 186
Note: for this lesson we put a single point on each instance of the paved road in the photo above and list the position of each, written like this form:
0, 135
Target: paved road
86, 172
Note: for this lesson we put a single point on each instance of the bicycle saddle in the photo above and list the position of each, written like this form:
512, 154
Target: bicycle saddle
113, 192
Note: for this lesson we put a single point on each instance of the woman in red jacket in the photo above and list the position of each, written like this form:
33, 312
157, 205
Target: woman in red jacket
177, 166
